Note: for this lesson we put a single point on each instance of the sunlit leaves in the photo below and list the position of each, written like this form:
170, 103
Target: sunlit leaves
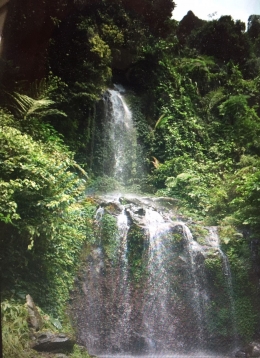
42, 209
24, 106
15, 331
233, 107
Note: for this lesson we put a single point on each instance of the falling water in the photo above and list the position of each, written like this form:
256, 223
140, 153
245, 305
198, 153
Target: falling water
155, 312
165, 311
213, 240
99, 214
120, 151
122, 326
198, 282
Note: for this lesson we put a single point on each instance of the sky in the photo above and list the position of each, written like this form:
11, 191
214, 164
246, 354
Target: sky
238, 9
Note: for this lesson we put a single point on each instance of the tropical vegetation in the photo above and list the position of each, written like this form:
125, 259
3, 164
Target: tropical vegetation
194, 89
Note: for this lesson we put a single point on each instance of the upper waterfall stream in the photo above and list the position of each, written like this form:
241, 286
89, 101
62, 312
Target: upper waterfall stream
146, 286
119, 137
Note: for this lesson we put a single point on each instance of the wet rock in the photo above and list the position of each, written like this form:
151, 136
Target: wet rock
34, 320
167, 202
53, 342
136, 215
240, 354
113, 208
254, 349
251, 350
155, 253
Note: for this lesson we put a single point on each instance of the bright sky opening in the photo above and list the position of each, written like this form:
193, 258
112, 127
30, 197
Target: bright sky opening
207, 9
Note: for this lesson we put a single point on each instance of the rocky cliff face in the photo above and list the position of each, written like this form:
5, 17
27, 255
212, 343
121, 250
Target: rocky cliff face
147, 286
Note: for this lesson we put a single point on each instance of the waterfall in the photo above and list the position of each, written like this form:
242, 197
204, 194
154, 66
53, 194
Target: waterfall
145, 287
198, 282
120, 138
155, 312
213, 240
122, 326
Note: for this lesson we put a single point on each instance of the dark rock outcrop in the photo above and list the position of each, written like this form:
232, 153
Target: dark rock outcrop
53, 342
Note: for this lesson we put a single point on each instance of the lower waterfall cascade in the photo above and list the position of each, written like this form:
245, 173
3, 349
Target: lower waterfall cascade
146, 286
162, 307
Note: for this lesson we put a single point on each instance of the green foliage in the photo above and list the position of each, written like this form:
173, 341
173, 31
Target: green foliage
245, 186
213, 265
208, 120
177, 238
237, 196
246, 318
84, 65
241, 296
104, 184
219, 321
199, 233
112, 34
87, 52
254, 32
197, 116
136, 253
220, 311
24, 106
238, 253
79, 352
43, 214
15, 332
244, 120
50, 187
109, 236
223, 38
211, 99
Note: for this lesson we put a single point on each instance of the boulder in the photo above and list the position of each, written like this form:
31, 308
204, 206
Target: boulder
53, 342
254, 349
35, 319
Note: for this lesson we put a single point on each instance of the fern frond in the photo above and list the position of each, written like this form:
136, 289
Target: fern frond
24, 106
202, 62
20, 104
39, 105
213, 98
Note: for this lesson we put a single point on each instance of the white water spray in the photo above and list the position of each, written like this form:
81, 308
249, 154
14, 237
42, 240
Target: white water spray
121, 139
166, 310
213, 239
